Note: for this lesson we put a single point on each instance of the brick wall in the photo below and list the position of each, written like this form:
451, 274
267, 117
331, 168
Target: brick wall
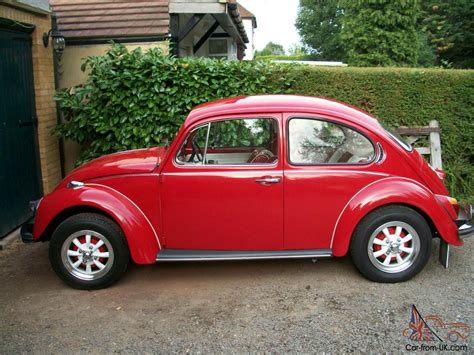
43, 72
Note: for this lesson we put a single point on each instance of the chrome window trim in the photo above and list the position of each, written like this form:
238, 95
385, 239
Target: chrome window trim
405, 146
207, 142
175, 159
382, 155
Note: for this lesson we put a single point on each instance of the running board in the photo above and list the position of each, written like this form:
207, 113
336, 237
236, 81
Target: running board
206, 255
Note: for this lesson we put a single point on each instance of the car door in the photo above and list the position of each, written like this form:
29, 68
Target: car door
222, 187
327, 162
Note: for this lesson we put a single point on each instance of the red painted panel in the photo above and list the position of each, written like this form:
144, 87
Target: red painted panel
141, 236
129, 162
220, 207
143, 190
393, 190
222, 210
314, 198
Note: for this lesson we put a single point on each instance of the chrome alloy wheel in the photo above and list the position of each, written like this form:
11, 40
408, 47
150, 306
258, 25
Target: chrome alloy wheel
393, 247
87, 255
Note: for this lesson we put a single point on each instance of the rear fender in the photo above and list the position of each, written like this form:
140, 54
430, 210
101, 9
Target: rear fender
391, 190
141, 236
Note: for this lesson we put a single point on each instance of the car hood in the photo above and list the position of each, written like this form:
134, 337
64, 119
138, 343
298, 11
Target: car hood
138, 161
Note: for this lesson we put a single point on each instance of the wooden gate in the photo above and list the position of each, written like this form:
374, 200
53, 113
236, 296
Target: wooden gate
433, 150
19, 166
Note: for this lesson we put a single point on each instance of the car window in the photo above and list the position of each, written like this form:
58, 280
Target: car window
230, 142
191, 149
241, 133
313, 141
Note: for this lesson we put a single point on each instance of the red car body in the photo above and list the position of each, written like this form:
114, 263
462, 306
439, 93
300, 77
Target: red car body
160, 204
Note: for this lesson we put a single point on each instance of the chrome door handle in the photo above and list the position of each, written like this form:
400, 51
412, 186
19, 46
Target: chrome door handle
268, 180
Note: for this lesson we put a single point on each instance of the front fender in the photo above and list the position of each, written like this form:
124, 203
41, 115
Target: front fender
142, 238
391, 190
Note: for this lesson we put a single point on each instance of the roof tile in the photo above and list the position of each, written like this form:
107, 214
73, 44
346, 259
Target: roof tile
82, 19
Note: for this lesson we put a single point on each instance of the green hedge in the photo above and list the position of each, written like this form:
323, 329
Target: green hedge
409, 97
286, 57
135, 99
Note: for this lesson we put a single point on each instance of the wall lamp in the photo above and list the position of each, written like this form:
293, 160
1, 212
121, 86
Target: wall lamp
59, 43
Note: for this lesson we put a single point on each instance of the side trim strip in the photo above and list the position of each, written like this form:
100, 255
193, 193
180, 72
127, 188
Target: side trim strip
208, 255
133, 203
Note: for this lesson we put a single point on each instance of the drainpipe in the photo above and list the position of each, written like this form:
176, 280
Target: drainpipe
56, 64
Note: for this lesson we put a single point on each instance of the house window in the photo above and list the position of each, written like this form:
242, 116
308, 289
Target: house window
218, 48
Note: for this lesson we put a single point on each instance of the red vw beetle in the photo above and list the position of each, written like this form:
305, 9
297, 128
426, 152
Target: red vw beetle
256, 177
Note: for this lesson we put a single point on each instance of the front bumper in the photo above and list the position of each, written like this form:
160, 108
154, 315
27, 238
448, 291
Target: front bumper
464, 222
26, 230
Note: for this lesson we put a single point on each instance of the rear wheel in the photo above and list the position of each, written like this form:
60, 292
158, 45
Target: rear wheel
391, 244
89, 251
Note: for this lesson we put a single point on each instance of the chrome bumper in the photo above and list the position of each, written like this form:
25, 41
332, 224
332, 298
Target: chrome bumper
464, 222
26, 230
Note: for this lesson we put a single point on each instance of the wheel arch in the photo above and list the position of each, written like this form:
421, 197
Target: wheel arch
392, 191
141, 236
68, 212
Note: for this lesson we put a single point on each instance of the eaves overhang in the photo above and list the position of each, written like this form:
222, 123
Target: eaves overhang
225, 12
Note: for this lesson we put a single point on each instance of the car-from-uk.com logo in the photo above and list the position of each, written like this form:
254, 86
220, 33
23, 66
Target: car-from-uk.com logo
431, 333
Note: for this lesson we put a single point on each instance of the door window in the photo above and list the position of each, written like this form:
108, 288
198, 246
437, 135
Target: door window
313, 142
231, 142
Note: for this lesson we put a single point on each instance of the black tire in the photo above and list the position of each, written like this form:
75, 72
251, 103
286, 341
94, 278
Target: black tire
372, 267
105, 228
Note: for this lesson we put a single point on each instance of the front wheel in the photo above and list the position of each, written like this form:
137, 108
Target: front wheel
391, 244
88, 251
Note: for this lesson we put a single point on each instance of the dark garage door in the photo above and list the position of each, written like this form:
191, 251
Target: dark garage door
19, 168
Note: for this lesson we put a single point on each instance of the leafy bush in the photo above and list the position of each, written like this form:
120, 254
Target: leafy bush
135, 99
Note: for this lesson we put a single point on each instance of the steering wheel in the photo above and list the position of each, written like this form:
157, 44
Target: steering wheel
196, 152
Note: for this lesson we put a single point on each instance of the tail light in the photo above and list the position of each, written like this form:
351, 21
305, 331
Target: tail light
454, 203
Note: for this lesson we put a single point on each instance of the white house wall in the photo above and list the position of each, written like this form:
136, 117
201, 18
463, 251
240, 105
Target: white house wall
249, 52
186, 45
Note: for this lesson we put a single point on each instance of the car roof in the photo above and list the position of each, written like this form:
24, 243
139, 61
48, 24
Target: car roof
282, 103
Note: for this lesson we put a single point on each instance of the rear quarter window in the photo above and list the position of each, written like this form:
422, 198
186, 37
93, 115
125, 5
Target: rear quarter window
317, 141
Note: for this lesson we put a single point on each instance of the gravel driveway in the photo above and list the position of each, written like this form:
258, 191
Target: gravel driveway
281, 305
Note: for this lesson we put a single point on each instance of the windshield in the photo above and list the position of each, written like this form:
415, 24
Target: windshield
397, 138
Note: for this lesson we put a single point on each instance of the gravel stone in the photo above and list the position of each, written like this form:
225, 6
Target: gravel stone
209, 307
